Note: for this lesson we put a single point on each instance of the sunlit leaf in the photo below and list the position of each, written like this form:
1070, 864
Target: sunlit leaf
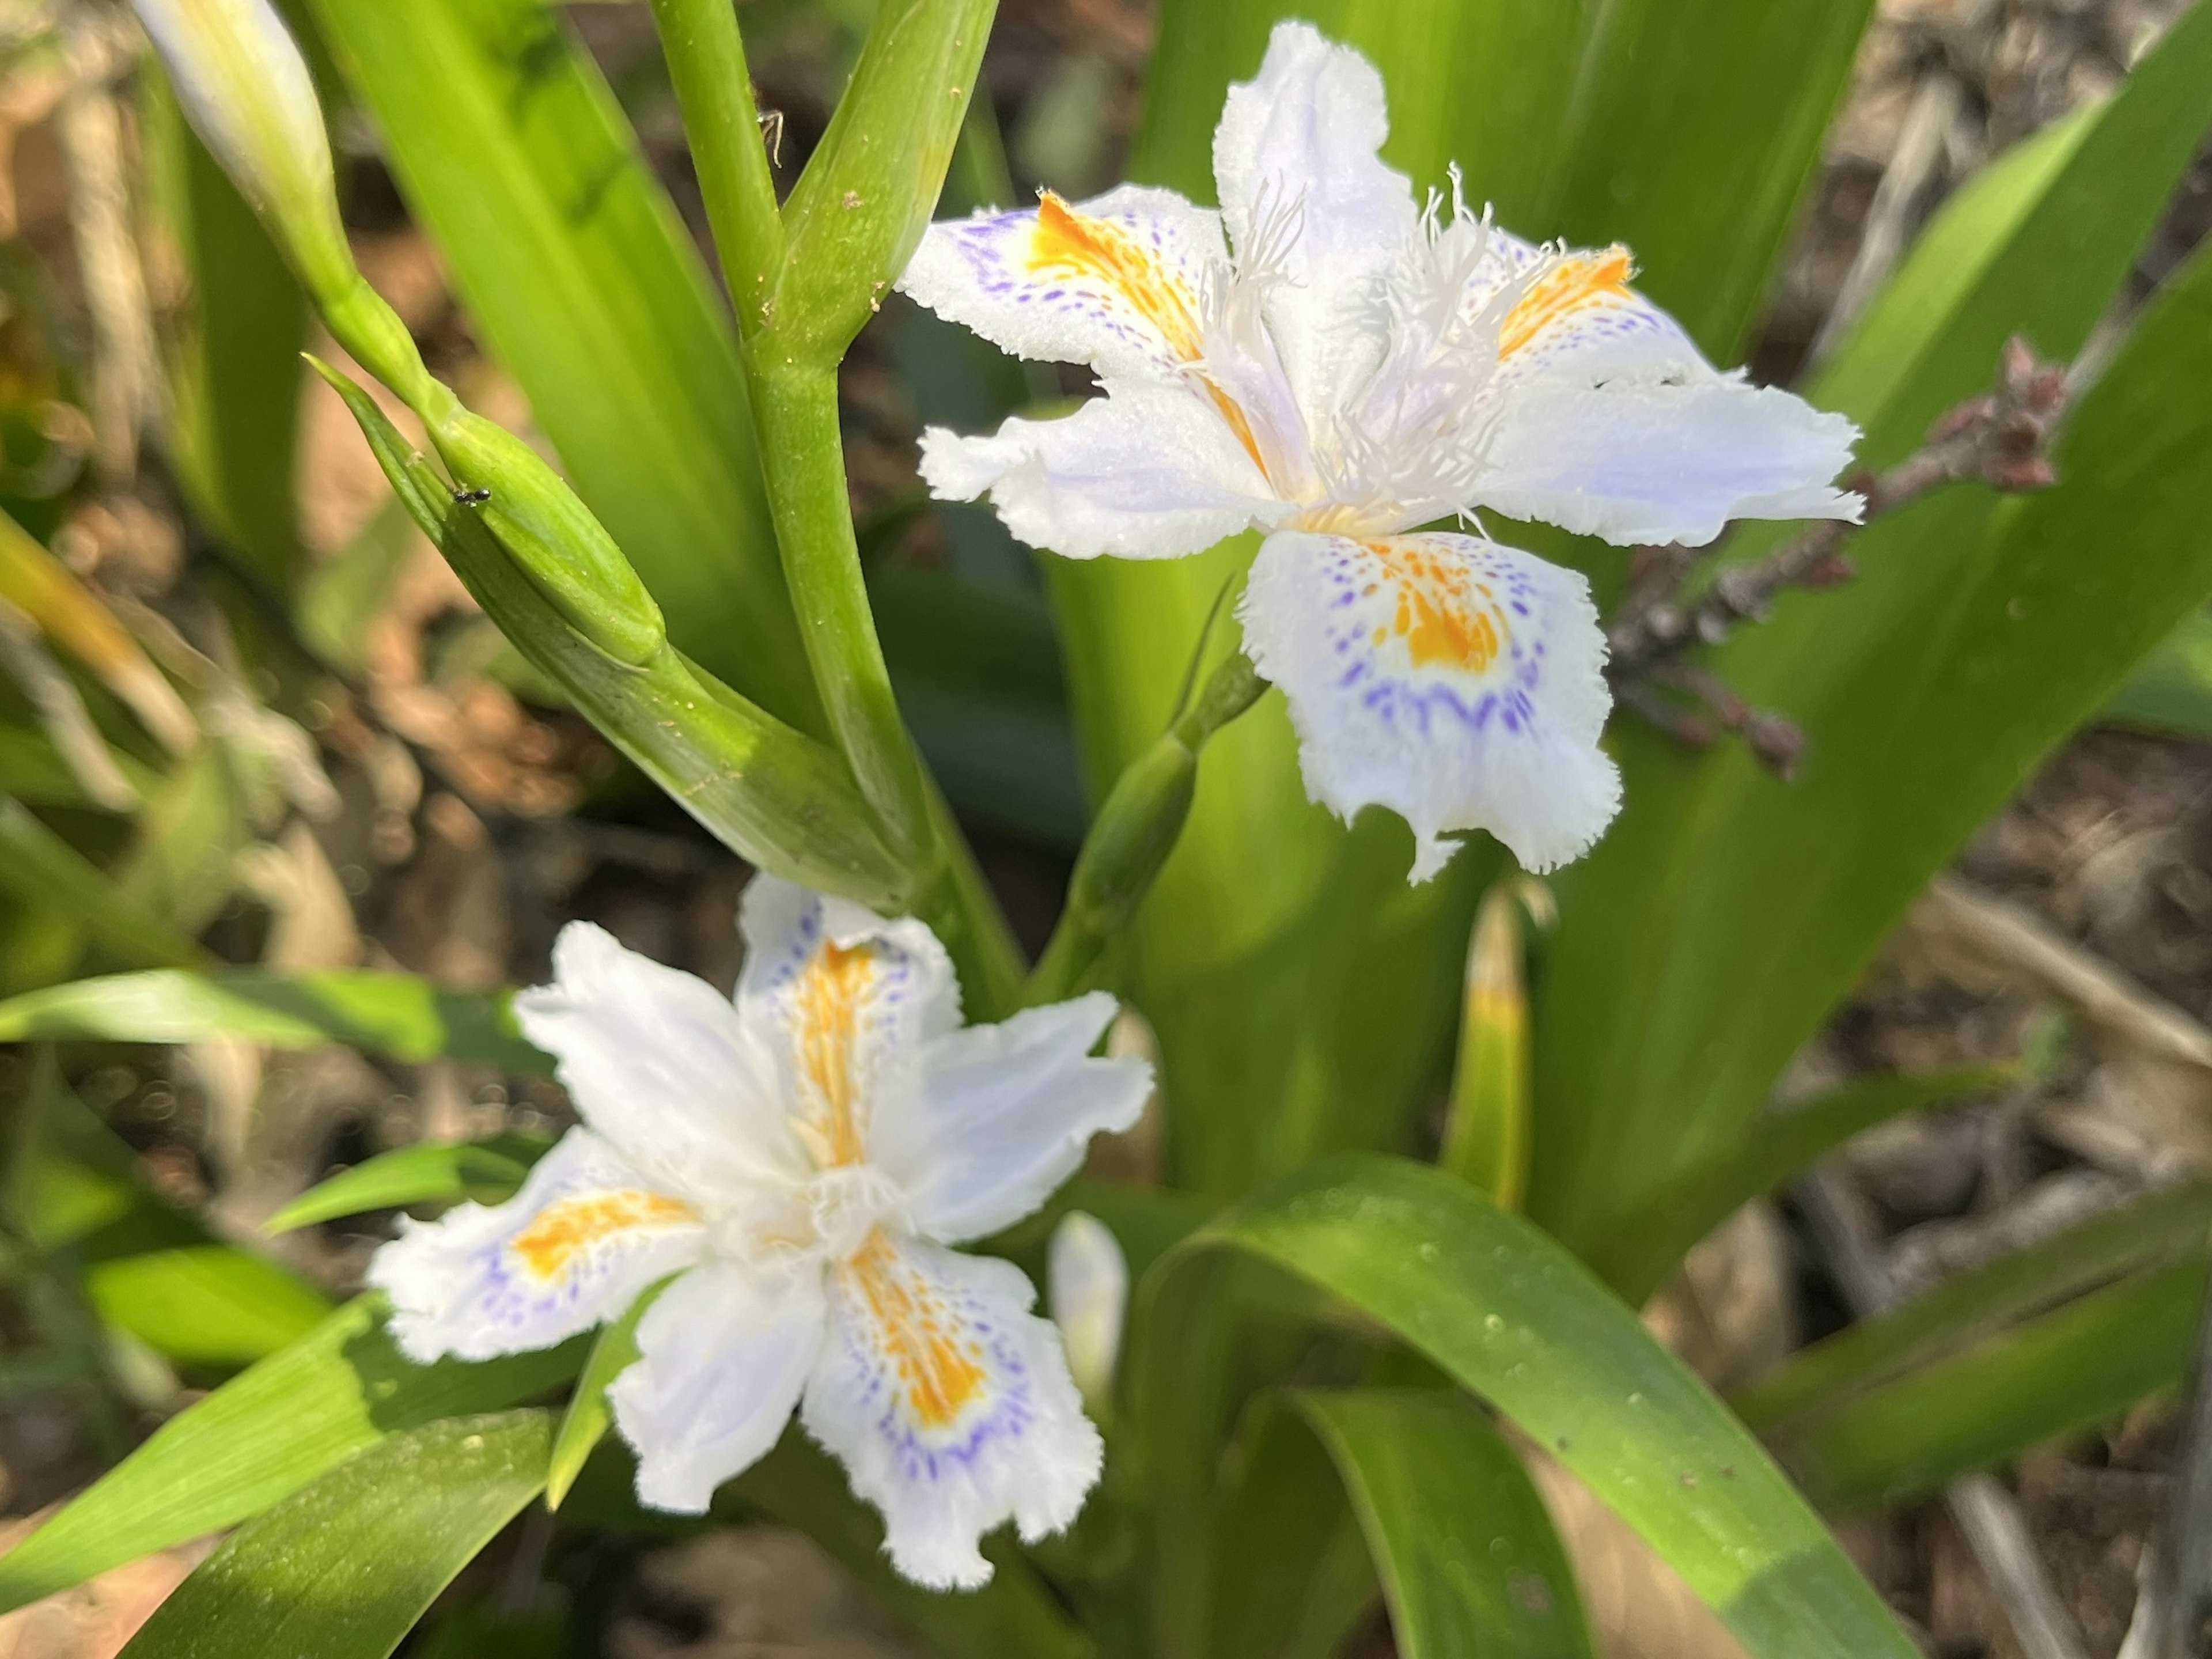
1509, 1315
342, 1568
264, 1434
399, 1015
1725, 911
488, 1171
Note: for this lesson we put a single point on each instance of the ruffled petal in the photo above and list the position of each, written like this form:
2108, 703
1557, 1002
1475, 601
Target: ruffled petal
1004, 1114
1605, 418
841, 1001
1458, 683
1312, 209
1118, 283
657, 1063
722, 1356
1148, 472
1659, 461
950, 1405
586, 1235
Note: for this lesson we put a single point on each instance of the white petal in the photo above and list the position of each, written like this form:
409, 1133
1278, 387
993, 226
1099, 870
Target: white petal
722, 1360
1458, 683
1117, 282
842, 1002
1004, 1114
1148, 472
950, 1405
657, 1063
588, 1232
1606, 419
1304, 193
1658, 463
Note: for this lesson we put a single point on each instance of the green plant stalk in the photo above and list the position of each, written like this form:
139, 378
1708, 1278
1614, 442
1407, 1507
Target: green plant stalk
771, 794
1486, 1135
706, 57
803, 457
859, 211
1136, 830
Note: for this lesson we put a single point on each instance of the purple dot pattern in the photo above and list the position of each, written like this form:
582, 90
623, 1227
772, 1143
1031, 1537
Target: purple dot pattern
1361, 597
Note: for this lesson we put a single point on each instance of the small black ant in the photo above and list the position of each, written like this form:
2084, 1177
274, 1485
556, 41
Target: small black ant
470, 497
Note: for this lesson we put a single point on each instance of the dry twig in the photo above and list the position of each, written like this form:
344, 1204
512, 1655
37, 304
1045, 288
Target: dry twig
1999, 438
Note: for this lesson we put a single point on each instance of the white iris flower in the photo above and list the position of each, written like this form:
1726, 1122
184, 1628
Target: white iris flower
1325, 361
802, 1159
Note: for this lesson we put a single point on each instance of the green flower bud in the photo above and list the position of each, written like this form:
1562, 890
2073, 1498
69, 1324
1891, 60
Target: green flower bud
565, 552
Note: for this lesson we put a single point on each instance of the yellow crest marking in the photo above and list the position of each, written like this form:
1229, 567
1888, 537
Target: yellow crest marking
832, 990
1073, 245
1570, 284
1445, 614
937, 1362
562, 1231
1068, 245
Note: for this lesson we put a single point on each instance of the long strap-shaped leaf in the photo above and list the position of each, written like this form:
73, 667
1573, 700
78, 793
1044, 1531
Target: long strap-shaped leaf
263, 1435
1468, 1558
399, 1015
1721, 917
1508, 1313
343, 1568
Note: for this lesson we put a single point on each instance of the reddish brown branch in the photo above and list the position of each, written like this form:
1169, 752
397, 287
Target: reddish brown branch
1999, 438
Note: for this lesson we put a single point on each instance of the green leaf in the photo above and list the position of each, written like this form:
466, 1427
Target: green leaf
1509, 1315
342, 597
2171, 690
575, 268
1469, 1563
2082, 1364
148, 1266
343, 1568
2149, 1233
398, 1015
585, 1423
1725, 912
263, 1435
234, 373
210, 1304
33, 771
489, 1171
1779, 1143
43, 870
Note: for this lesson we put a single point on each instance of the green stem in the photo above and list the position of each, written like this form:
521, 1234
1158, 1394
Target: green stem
803, 456
1135, 832
707, 62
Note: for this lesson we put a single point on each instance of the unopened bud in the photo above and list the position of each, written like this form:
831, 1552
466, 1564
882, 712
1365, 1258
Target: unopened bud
1087, 1281
1829, 570
565, 551
247, 92
2023, 473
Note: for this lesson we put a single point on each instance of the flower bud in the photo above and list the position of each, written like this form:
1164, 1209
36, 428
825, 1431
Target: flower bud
247, 92
553, 536
1087, 1279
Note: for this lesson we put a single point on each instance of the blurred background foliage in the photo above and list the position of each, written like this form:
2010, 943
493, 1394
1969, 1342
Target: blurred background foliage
1884, 1091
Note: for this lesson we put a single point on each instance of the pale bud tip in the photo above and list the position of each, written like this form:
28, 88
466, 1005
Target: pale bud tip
1087, 1281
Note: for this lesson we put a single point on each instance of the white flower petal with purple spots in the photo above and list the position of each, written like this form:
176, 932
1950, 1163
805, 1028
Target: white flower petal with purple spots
825, 1140
951, 1405
1458, 683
